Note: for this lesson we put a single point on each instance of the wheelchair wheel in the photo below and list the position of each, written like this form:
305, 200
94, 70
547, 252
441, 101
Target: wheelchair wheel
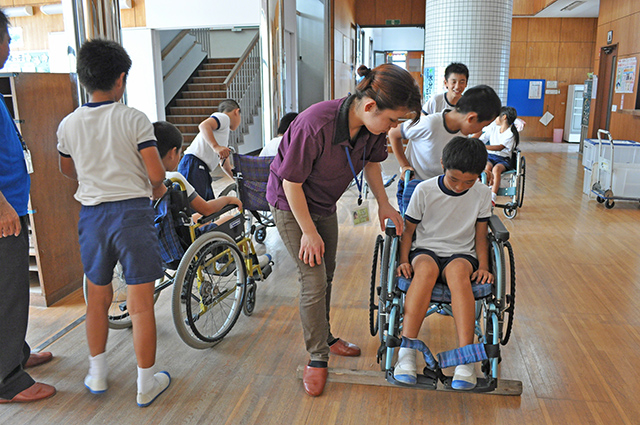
503, 264
520, 182
375, 287
260, 234
250, 298
209, 290
118, 315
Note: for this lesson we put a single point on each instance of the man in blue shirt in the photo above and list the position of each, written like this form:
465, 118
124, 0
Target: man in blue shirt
15, 384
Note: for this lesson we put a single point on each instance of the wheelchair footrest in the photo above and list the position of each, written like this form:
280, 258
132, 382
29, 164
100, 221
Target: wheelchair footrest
424, 382
503, 387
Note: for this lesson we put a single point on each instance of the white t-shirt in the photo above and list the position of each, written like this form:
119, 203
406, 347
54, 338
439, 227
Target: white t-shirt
271, 148
446, 221
437, 103
191, 192
104, 139
491, 134
203, 150
426, 141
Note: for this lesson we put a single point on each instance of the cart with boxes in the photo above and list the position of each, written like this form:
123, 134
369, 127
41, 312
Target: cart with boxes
611, 169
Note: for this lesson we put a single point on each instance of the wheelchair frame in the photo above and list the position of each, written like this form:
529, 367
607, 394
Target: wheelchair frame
494, 313
515, 190
211, 258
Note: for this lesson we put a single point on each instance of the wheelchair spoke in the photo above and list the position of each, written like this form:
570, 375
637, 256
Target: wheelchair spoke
212, 290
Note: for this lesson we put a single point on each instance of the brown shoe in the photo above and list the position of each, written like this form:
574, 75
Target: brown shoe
36, 359
37, 391
314, 379
344, 348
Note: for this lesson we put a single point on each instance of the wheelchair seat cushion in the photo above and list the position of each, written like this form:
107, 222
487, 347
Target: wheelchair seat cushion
441, 292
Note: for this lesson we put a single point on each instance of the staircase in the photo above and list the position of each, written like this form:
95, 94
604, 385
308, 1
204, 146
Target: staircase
200, 97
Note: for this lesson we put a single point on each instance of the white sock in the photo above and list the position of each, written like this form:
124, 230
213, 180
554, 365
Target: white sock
406, 359
493, 197
146, 381
98, 368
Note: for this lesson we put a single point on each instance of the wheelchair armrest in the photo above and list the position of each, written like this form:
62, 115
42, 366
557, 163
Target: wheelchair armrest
216, 215
497, 228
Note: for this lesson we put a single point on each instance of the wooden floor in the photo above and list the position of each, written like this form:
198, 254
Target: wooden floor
574, 346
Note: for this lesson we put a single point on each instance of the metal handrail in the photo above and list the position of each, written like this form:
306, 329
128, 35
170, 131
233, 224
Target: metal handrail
243, 85
241, 61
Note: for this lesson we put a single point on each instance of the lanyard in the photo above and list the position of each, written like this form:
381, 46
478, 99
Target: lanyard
361, 181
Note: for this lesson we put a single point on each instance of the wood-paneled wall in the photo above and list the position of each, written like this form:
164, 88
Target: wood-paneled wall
556, 49
623, 18
36, 28
372, 13
529, 7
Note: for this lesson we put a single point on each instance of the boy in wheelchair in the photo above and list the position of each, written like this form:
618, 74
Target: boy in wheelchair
170, 142
449, 216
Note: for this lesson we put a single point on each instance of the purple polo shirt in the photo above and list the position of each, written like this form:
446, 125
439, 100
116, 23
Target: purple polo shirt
312, 152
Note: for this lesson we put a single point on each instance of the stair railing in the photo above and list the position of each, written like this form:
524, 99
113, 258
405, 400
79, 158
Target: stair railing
203, 37
243, 85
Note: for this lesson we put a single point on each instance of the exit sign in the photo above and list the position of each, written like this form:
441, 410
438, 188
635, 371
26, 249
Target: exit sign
392, 22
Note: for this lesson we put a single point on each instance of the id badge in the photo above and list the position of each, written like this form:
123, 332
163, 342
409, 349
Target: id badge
360, 213
27, 160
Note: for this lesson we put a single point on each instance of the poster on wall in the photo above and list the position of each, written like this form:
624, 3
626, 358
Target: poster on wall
625, 75
429, 82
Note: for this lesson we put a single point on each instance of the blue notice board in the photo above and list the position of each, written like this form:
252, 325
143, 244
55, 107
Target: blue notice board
518, 97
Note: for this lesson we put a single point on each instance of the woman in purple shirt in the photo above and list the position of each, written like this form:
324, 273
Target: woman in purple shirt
319, 155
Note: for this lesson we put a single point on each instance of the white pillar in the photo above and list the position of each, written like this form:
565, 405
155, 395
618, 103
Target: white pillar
474, 32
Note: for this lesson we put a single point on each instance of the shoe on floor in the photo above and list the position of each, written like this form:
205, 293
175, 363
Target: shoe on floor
37, 391
36, 359
405, 369
344, 348
314, 380
95, 385
464, 378
162, 381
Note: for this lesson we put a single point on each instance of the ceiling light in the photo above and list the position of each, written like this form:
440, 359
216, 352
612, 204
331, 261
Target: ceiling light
16, 12
572, 6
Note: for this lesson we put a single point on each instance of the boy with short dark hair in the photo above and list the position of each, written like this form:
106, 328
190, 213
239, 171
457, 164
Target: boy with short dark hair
449, 215
210, 148
476, 109
456, 77
110, 149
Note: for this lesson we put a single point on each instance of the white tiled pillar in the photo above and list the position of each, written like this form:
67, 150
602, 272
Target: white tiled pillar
474, 32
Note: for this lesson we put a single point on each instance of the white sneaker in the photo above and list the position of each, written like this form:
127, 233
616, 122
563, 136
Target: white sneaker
95, 385
464, 378
405, 369
162, 381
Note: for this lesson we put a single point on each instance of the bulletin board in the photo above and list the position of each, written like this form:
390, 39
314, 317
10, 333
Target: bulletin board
527, 96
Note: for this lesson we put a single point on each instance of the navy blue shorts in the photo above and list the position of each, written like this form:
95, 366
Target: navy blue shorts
497, 159
198, 174
442, 262
120, 231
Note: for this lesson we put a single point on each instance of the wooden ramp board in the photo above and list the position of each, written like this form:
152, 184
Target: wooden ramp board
377, 378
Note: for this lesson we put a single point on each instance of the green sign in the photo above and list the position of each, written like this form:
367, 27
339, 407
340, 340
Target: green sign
392, 22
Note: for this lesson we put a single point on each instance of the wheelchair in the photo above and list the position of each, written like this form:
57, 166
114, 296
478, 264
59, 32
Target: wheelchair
512, 185
495, 306
251, 174
213, 269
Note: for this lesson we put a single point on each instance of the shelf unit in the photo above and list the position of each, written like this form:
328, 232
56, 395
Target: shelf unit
38, 102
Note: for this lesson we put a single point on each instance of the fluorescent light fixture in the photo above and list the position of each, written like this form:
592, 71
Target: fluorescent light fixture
572, 6
51, 9
17, 12
56, 8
